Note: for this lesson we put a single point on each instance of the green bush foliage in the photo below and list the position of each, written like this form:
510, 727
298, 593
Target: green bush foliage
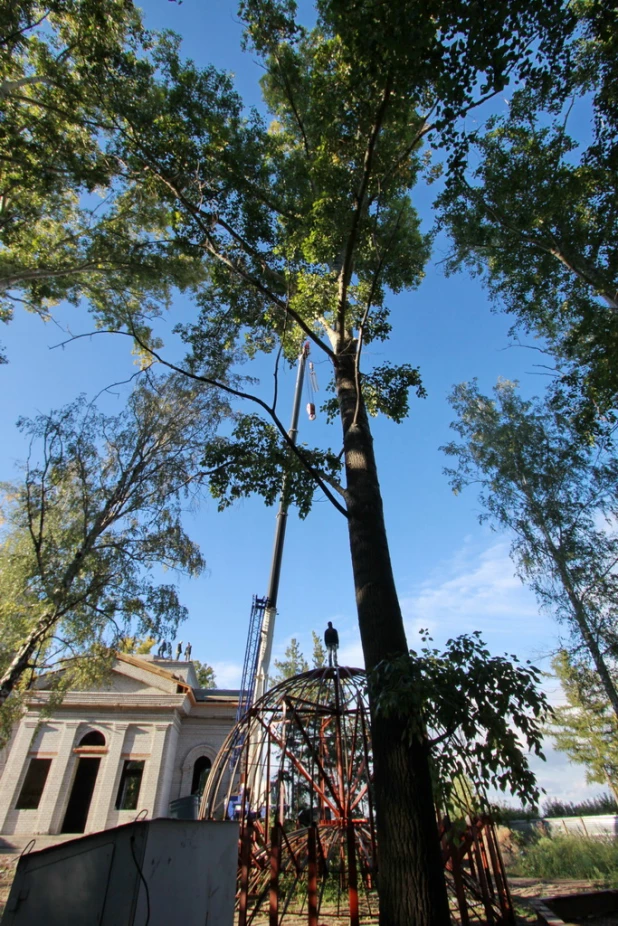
571, 857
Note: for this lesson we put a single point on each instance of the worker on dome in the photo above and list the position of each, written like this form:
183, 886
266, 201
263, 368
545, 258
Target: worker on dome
331, 639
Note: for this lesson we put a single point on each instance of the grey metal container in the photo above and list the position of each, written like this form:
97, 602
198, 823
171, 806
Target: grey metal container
156, 872
185, 808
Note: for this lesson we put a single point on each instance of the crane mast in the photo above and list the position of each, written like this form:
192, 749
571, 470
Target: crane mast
263, 613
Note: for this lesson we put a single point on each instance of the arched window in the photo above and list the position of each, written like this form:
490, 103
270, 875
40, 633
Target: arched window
201, 770
94, 738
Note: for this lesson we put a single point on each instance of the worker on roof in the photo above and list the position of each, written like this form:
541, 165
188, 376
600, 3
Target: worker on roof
331, 639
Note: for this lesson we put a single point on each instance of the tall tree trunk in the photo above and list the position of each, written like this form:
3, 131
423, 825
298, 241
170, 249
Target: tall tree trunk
580, 615
411, 882
581, 619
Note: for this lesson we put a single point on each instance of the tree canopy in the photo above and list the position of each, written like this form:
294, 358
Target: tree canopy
98, 509
586, 727
205, 674
535, 211
318, 655
483, 714
556, 495
70, 228
293, 662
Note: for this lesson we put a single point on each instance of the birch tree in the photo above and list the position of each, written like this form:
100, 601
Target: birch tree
556, 496
98, 509
586, 727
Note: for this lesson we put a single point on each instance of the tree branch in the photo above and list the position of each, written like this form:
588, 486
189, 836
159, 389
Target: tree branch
230, 390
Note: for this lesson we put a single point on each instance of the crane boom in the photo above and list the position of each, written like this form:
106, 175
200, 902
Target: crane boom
264, 610
270, 612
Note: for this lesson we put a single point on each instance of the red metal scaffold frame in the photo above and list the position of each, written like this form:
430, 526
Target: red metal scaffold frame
300, 786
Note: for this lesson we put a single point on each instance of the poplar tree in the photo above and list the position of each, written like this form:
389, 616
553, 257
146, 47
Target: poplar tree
70, 229
303, 227
318, 656
205, 674
293, 662
534, 212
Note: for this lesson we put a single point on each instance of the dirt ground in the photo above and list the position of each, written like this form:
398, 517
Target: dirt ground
522, 889
8, 864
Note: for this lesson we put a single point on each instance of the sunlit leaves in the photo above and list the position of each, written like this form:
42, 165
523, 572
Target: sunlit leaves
387, 389
255, 459
535, 212
71, 226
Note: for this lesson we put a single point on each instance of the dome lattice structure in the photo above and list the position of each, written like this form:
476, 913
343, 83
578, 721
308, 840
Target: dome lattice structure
296, 772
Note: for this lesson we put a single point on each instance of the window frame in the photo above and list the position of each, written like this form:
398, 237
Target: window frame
132, 770
32, 787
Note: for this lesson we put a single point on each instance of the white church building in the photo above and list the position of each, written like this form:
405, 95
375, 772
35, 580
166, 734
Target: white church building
143, 740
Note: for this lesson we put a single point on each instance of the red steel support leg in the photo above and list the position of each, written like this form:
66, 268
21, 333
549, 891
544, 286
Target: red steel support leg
352, 877
275, 857
504, 897
312, 875
481, 865
245, 865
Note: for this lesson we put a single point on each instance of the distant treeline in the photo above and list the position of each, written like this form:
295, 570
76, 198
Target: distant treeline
604, 804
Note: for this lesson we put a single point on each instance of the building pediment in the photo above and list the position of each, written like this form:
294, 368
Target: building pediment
135, 675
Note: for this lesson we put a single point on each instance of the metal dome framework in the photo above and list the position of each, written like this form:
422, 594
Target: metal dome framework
296, 772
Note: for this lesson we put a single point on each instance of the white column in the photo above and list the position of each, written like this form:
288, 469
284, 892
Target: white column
104, 798
162, 800
55, 793
13, 770
152, 769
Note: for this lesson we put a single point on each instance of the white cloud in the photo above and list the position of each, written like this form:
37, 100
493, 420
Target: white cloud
561, 778
351, 653
227, 674
477, 589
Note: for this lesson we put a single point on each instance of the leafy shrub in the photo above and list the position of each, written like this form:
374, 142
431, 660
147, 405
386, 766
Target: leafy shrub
571, 857
597, 805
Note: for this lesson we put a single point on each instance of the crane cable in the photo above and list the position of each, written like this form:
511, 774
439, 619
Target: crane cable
311, 387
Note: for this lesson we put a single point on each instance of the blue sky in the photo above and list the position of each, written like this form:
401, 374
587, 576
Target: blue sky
453, 575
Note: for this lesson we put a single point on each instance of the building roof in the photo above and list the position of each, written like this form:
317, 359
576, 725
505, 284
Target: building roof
142, 681
216, 694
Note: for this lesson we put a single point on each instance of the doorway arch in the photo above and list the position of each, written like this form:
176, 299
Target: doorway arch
201, 771
84, 781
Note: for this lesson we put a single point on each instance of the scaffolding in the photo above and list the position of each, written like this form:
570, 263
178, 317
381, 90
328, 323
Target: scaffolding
301, 788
